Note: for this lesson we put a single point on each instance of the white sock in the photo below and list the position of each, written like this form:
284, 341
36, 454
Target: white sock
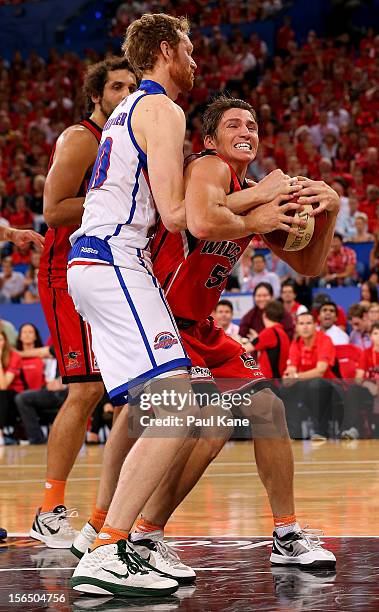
282, 531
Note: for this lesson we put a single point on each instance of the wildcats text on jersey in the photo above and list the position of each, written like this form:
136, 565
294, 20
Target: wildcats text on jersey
226, 248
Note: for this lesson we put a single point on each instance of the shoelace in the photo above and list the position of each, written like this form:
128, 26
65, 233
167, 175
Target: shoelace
168, 553
63, 516
312, 536
131, 560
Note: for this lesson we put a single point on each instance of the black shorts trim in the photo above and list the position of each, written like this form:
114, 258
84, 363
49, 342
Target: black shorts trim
66, 380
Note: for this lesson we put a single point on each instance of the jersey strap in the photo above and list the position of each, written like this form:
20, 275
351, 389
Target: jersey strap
92, 127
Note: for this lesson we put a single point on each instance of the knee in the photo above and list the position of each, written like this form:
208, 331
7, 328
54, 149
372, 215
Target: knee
86, 396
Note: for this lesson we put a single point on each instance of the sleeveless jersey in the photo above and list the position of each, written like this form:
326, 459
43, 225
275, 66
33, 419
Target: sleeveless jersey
119, 211
53, 263
193, 272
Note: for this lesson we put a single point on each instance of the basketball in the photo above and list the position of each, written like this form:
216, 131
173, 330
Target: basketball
308, 234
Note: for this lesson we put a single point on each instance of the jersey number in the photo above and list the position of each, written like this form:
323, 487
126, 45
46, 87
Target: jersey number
218, 275
101, 167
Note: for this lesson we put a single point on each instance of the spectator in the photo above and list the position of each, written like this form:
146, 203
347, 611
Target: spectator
224, 318
327, 319
307, 379
10, 331
12, 285
272, 343
22, 218
340, 265
359, 322
373, 314
31, 295
360, 397
36, 204
345, 224
280, 267
253, 319
10, 384
369, 294
32, 368
260, 274
361, 232
374, 255
288, 297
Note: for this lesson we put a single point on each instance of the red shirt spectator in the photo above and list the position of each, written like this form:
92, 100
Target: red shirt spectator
33, 373
340, 263
14, 367
273, 347
305, 357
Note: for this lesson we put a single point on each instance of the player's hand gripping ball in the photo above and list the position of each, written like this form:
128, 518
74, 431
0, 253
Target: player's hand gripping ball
305, 235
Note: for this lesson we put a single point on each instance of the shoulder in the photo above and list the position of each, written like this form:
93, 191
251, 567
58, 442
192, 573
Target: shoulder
15, 360
159, 105
209, 166
76, 134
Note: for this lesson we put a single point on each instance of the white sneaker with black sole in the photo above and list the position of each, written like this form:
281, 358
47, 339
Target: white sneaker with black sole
53, 527
162, 558
117, 569
303, 548
84, 540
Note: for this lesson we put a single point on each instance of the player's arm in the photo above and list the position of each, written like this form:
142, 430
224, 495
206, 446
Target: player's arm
21, 238
75, 152
208, 218
159, 127
272, 186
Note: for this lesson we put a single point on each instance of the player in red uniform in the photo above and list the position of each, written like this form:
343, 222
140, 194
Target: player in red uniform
193, 272
105, 85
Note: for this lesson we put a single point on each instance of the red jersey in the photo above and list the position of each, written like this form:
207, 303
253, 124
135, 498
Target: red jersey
193, 272
273, 346
369, 362
33, 372
305, 358
14, 367
53, 265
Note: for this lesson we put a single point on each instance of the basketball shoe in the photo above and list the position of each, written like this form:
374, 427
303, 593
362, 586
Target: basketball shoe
301, 547
53, 527
117, 569
159, 555
162, 557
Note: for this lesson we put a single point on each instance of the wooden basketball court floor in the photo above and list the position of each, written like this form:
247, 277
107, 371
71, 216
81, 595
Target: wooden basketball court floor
223, 530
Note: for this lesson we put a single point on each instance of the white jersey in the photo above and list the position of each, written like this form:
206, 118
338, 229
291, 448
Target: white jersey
119, 210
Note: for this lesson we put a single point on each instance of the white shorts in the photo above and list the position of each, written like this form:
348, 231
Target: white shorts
134, 334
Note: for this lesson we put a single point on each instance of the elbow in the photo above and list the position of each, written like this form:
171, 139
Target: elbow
50, 217
201, 229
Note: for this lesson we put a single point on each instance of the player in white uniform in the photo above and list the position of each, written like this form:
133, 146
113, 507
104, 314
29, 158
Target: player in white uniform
135, 338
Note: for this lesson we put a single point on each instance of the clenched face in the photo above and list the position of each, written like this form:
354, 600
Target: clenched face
119, 85
236, 137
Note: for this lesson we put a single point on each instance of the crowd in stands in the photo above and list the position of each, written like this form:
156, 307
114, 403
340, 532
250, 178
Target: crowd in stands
31, 391
201, 13
318, 112
323, 364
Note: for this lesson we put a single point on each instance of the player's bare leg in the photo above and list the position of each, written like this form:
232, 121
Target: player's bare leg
275, 466
65, 440
68, 431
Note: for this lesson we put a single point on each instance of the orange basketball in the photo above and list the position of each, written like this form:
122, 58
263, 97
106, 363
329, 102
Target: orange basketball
308, 234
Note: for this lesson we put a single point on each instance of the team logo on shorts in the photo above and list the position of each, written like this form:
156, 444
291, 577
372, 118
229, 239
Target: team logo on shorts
164, 340
72, 359
249, 361
197, 372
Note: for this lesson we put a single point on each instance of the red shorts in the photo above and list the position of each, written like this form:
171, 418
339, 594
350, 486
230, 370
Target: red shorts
71, 336
215, 355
